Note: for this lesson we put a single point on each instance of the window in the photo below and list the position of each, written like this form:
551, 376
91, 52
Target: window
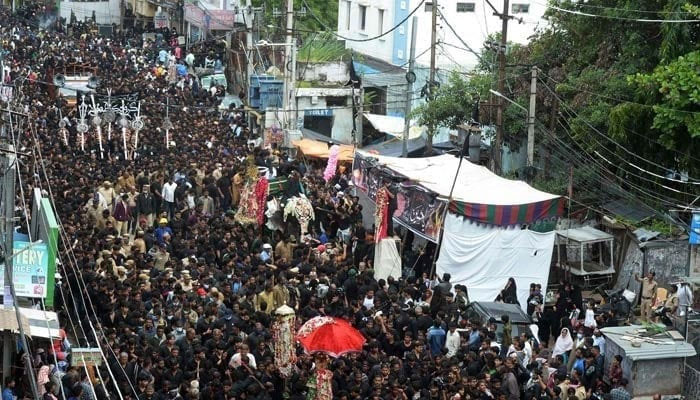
380, 21
399, 54
403, 5
363, 17
428, 6
465, 7
402, 30
348, 10
336, 101
520, 8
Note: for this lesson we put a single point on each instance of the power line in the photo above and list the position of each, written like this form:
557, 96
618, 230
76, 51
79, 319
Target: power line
593, 128
468, 48
628, 9
621, 100
643, 20
332, 31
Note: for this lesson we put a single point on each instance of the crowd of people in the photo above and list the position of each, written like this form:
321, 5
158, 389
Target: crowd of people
180, 296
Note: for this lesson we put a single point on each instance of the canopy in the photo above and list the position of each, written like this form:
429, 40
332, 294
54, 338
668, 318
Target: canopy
393, 126
479, 194
36, 323
318, 149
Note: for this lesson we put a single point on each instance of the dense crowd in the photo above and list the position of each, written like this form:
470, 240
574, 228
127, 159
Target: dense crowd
180, 296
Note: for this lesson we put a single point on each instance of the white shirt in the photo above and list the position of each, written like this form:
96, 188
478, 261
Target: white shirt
368, 303
236, 361
453, 342
600, 342
169, 192
527, 349
589, 322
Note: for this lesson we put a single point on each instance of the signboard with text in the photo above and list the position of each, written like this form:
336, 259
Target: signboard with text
29, 269
215, 20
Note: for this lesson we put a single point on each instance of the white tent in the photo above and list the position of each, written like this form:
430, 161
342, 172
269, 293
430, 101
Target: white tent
484, 242
475, 184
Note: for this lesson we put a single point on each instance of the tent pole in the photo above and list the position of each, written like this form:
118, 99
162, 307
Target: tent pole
463, 151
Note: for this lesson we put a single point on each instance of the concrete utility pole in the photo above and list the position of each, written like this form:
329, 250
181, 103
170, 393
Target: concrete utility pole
501, 87
433, 44
410, 78
8, 162
289, 69
531, 119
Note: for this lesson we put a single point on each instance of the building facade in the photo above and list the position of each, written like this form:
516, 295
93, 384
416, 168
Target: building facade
106, 12
472, 20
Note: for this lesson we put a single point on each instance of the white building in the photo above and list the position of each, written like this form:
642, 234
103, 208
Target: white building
472, 20
106, 12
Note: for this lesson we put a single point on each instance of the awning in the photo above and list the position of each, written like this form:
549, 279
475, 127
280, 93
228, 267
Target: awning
36, 323
317, 149
394, 147
391, 125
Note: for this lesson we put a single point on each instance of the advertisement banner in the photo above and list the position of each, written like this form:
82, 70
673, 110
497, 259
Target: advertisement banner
30, 269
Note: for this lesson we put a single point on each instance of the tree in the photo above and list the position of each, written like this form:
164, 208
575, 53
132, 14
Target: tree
451, 106
677, 109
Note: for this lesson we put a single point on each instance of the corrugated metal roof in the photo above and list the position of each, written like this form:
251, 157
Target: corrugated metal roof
665, 348
627, 209
394, 147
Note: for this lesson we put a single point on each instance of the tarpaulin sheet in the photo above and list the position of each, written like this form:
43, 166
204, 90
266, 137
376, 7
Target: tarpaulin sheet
387, 261
483, 257
318, 149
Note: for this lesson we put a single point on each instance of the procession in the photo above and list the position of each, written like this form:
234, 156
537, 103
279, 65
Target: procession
188, 254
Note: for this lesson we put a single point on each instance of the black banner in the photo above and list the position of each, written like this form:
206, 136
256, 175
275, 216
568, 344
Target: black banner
417, 208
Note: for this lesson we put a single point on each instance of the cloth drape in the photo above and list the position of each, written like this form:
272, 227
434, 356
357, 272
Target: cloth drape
483, 257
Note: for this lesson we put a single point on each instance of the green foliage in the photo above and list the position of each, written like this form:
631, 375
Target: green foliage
678, 83
451, 106
321, 48
305, 25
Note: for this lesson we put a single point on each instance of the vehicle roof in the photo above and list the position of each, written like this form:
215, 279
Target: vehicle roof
490, 309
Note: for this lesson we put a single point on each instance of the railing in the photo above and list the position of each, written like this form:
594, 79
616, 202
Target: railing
76, 69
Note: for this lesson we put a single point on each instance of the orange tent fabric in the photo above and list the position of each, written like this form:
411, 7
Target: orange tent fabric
318, 149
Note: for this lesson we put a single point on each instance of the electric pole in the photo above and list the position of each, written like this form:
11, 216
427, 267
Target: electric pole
501, 87
9, 166
410, 78
498, 150
289, 68
531, 119
433, 44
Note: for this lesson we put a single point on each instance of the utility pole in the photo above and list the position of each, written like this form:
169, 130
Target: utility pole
8, 162
433, 44
531, 119
410, 78
501, 83
289, 68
